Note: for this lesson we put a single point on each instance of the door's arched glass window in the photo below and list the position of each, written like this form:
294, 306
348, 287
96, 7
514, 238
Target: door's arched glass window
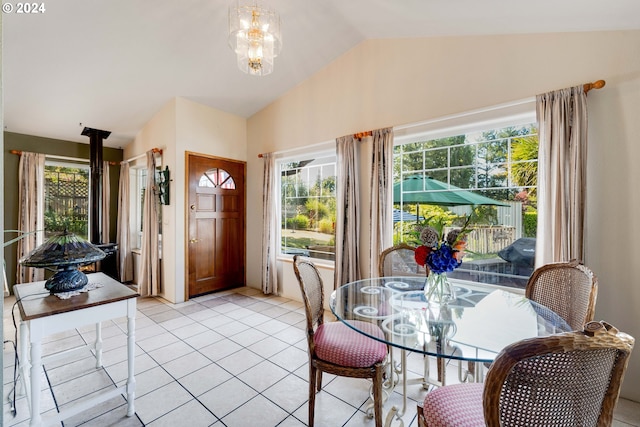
217, 178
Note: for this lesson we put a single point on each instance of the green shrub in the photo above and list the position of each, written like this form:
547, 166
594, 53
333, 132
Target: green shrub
298, 222
326, 226
530, 223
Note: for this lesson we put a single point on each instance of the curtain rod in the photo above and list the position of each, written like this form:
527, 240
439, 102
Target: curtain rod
289, 150
139, 156
358, 135
598, 84
53, 156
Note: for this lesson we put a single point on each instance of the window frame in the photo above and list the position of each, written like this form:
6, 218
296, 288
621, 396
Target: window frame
321, 151
138, 181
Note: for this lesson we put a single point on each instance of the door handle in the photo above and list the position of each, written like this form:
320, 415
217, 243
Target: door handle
193, 241
192, 207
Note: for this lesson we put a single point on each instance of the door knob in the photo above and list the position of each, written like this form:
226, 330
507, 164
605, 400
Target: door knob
193, 241
192, 207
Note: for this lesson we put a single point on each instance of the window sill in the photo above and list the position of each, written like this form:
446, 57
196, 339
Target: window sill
320, 263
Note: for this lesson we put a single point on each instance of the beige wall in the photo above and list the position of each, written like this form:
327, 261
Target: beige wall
180, 126
394, 82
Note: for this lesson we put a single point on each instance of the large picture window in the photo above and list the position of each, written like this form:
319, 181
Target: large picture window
490, 175
308, 206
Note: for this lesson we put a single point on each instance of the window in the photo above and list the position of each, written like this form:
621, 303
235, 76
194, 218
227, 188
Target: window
490, 174
66, 198
138, 182
215, 177
137, 196
308, 206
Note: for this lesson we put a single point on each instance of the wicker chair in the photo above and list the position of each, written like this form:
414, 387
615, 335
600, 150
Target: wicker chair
564, 380
399, 260
568, 288
334, 347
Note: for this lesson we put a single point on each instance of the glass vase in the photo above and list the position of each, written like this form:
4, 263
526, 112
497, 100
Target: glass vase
438, 290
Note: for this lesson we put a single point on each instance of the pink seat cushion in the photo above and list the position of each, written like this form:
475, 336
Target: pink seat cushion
458, 405
337, 343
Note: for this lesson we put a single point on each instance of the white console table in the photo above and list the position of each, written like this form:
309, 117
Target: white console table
43, 315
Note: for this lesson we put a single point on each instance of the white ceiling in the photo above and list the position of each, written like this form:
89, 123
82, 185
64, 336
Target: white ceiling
112, 64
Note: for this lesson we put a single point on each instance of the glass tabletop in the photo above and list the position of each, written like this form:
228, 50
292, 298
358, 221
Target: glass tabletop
480, 322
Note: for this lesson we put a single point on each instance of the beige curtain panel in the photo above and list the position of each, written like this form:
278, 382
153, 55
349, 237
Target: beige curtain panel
150, 253
347, 264
562, 160
269, 226
381, 190
30, 212
123, 238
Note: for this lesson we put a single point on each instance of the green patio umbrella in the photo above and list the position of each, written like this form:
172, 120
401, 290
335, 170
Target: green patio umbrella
429, 191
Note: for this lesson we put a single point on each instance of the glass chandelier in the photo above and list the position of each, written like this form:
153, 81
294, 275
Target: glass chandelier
254, 34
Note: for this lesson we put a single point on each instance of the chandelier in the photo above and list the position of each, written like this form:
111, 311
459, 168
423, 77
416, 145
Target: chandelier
254, 34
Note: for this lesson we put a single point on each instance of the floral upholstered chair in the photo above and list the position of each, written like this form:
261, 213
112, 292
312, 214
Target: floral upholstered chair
565, 380
334, 347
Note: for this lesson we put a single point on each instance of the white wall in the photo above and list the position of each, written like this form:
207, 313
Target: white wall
202, 130
181, 126
160, 132
393, 82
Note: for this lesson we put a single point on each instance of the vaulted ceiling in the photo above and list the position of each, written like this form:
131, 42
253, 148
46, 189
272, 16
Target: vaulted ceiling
112, 64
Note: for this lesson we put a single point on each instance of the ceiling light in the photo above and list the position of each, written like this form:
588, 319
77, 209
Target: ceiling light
254, 34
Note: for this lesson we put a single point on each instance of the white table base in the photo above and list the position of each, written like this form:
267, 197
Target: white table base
33, 331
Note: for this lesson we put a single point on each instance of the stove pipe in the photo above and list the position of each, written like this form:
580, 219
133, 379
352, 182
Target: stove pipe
96, 136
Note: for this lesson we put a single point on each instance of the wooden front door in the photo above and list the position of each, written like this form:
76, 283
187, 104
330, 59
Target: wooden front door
216, 236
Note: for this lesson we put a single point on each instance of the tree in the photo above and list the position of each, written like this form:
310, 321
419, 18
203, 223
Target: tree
524, 169
492, 161
434, 158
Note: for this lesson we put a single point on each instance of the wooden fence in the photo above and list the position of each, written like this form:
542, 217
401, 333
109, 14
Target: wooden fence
489, 239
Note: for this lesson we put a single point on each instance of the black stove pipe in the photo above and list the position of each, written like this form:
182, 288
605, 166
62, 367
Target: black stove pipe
96, 136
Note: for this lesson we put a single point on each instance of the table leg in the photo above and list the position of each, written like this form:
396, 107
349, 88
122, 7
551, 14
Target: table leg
25, 364
131, 355
394, 412
98, 345
36, 365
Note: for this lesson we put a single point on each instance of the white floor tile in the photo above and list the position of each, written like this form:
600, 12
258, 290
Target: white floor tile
205, 379
227, 397
191, 413
159, 402
242, 354
258, 412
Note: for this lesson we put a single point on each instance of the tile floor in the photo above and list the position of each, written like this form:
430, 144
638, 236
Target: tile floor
233, 358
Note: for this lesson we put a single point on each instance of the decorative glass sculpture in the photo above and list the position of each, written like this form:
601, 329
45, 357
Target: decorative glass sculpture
66, 252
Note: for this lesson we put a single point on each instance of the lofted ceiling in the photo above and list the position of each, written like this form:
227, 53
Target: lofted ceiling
112, 64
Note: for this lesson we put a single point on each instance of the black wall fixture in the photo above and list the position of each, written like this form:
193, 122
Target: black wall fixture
163, 185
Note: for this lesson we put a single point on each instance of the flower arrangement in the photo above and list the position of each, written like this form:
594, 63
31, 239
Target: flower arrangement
441, 253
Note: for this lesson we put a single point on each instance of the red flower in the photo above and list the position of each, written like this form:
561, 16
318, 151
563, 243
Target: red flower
421, 254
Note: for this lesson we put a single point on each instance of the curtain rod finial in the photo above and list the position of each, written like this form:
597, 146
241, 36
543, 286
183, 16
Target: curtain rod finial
599, 84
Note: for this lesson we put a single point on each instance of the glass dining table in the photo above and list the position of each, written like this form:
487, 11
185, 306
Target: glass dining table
474, 327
